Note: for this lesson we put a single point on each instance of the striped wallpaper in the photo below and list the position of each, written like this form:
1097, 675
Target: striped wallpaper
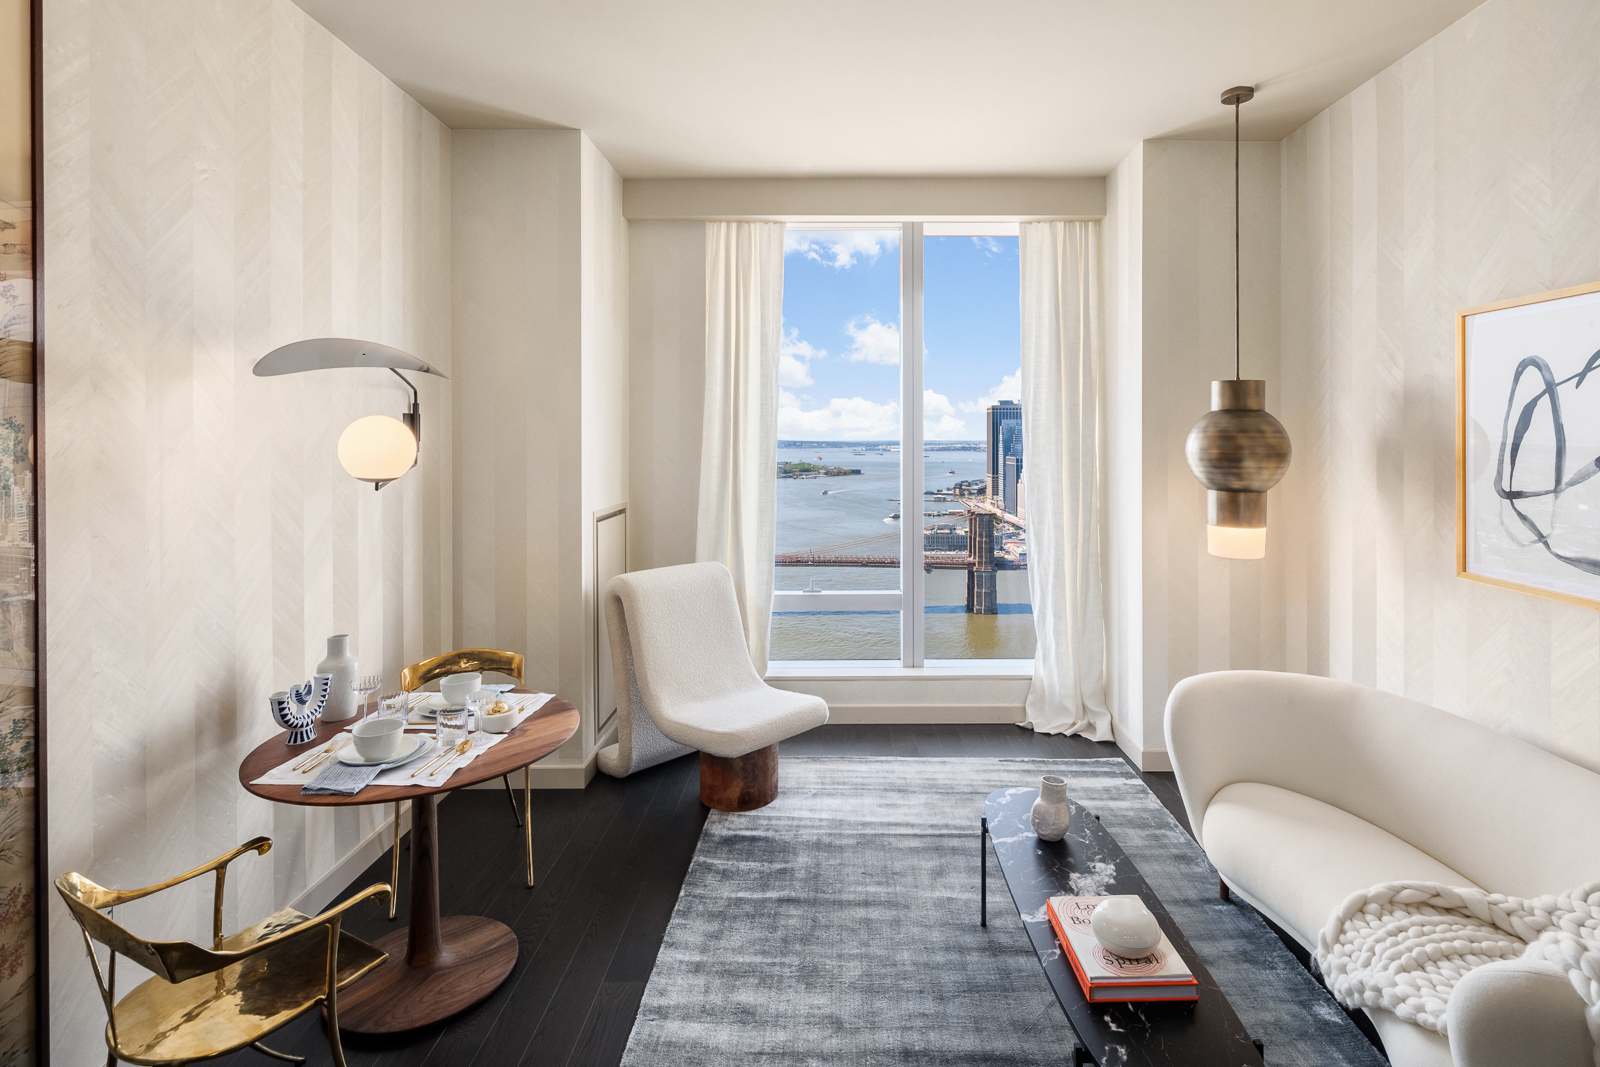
1467, 172
221, 178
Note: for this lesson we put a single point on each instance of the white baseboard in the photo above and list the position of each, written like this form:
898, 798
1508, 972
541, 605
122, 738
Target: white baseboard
548, 776
321, 893
913, 714
1146, 759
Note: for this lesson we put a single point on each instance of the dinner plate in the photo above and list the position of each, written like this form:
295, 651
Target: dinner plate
420, 744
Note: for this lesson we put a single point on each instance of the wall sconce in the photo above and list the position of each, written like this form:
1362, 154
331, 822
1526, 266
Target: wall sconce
374, 448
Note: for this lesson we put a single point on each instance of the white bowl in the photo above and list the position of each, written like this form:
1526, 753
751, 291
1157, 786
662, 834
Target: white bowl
496, 724
456, 688
1125, 926
378, 739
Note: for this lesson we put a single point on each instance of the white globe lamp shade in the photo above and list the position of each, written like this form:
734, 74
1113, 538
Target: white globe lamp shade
377, 448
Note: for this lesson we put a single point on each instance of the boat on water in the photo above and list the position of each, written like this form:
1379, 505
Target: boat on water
952, 470
893, 517
825, 492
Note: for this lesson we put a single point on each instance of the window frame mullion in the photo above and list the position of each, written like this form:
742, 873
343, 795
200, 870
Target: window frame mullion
912, 575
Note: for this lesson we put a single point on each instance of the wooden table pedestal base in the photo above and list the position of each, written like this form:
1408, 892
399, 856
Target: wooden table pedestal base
477, 955
739, 783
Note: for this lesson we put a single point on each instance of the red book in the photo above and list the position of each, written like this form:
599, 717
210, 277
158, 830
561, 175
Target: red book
1107, 977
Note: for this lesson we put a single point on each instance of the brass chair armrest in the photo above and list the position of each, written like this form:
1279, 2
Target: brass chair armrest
300, 929
100, 897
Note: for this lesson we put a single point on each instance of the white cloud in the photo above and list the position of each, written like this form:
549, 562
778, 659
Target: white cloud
852, 419
872, 341
794, 358
939, 421
988, 244
839, 249
1010, 388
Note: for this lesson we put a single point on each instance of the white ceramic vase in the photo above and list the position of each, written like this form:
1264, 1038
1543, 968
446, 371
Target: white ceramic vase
342, 665
1050, 812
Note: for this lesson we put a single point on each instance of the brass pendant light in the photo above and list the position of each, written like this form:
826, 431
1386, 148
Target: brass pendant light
1237, 450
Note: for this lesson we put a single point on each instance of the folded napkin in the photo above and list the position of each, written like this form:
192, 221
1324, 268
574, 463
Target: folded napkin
341, 779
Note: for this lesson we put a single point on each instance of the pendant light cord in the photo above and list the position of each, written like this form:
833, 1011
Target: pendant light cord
1236, 240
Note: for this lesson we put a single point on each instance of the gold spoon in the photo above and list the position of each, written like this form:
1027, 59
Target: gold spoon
443, 758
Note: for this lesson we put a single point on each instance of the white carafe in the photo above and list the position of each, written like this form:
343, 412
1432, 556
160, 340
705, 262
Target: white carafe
342, 665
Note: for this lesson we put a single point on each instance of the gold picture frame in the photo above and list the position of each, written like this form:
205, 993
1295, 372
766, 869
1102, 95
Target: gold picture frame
1535, 567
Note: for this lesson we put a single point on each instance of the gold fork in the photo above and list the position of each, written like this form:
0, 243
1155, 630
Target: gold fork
443, 758
325, 755
306, 761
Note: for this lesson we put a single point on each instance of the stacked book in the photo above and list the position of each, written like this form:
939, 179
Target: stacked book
1159, 974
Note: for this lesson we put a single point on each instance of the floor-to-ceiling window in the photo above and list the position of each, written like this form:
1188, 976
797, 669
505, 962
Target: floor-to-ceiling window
901, 533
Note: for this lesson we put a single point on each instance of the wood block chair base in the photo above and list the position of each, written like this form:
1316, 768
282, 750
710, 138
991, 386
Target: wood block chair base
739, 783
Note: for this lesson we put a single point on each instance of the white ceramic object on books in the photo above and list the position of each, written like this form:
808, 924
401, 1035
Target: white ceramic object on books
342, 665
1125, 926
1051, 816
456, 688
378, 739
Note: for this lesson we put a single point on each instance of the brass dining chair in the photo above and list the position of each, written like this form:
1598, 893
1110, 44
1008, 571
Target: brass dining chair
206, 1002
464, 661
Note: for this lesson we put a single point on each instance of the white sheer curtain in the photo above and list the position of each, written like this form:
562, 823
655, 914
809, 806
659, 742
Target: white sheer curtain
737, 523
1061, 413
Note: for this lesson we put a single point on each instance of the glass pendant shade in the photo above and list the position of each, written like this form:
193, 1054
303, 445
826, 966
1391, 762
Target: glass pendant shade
377, 448
1237, 542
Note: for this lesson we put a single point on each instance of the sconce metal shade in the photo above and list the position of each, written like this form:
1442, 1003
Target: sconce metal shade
377, 449
326, 353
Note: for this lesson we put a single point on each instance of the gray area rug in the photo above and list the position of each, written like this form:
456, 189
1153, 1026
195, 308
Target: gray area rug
839, 925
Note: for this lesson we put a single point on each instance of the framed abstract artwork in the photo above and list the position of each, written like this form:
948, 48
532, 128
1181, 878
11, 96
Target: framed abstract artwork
1528, 444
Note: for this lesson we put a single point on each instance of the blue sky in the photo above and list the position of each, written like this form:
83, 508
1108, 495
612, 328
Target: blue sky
839, 374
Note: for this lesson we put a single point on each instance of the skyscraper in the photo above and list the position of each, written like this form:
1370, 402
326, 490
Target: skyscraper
1005, 432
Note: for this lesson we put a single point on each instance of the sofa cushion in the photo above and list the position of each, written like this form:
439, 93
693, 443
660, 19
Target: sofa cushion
1299, 858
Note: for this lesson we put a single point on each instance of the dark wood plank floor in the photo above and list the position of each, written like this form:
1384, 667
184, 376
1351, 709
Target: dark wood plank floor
608, 863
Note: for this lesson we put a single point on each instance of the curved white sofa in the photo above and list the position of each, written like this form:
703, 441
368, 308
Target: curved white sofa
1304, 790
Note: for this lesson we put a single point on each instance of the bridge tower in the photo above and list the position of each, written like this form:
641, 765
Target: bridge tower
981, 597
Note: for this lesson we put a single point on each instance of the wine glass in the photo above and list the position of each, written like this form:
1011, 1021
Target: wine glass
366, 685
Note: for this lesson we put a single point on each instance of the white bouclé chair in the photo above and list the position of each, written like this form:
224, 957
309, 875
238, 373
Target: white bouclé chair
1304, 790
685, 682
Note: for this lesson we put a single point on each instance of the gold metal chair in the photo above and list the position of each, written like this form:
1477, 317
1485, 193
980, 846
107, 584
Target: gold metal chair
208, 1002
462, 661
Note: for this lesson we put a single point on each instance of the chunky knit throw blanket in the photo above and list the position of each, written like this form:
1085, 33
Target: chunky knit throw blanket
1404, 945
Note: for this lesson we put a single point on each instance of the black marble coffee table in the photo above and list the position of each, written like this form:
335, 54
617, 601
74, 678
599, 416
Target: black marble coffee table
1089, 862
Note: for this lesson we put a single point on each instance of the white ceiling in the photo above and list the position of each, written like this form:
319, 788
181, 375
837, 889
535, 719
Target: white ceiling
879, 87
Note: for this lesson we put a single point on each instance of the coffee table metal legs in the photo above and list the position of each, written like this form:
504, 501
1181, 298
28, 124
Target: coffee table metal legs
437, 966
983, 872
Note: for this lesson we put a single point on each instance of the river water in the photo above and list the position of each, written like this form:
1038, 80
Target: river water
854, 518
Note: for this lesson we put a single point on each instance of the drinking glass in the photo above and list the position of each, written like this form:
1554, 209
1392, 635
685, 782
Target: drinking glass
452, 726
478, 703
392, 705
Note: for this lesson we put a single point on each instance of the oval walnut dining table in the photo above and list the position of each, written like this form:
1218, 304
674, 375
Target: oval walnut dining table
437, 966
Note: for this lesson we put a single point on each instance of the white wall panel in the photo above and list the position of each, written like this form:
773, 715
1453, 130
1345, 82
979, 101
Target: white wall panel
220, 179
1466, 173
